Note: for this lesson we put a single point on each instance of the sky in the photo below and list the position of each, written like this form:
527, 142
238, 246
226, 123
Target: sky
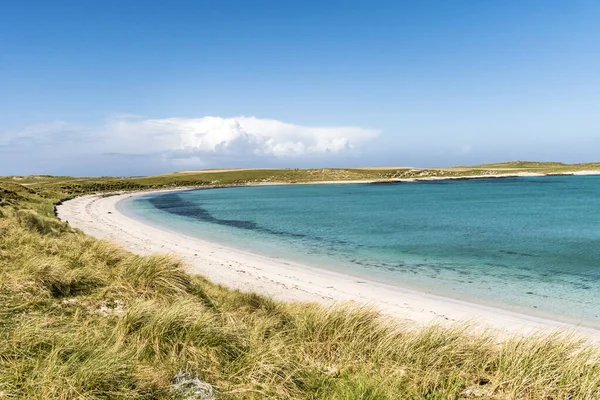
142, 86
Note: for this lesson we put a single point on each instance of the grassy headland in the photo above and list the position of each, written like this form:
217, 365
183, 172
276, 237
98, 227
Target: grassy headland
82, 318
65, 187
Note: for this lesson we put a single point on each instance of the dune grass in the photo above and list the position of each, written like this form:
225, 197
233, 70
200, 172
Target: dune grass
82, 318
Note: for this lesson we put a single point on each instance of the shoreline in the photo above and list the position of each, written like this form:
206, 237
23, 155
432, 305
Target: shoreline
434, 178
98, 215
420, 179
334, 267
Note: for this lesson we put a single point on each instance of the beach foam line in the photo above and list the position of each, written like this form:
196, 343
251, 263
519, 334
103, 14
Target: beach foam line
99, 216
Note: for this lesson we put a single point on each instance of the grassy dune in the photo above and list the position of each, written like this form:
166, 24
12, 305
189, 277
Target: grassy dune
64, 187
82, 318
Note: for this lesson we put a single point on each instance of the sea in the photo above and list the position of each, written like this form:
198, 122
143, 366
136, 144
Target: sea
525, 244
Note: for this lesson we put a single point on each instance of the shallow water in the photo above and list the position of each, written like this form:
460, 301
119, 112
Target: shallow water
525, 244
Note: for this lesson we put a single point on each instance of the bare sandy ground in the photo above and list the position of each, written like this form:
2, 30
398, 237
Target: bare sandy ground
289, 281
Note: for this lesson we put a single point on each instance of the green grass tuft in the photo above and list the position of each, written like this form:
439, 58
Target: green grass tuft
30, 219
155, 275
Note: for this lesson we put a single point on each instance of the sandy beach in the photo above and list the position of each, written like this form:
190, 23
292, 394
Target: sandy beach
98, 215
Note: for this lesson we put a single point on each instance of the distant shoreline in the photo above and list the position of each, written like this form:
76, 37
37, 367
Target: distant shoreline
362, 181
429, 178
98, 215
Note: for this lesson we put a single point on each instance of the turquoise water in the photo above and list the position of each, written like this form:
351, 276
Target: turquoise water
526, 244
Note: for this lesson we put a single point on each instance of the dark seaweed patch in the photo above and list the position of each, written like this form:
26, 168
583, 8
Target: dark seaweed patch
174, 204
516, 253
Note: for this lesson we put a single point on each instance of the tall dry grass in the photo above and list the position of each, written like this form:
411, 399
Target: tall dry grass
83, 319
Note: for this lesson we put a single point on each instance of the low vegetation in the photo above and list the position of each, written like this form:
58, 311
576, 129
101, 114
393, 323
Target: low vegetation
82, 318
65, 187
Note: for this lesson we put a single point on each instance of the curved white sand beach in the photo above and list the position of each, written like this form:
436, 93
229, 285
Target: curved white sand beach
285, 280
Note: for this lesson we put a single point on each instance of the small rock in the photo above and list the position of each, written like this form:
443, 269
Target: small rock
192, 388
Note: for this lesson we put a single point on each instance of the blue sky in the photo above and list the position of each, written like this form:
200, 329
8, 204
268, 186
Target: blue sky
139, 87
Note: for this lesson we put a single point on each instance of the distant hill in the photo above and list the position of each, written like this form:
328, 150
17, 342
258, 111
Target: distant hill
521, 164
533, 164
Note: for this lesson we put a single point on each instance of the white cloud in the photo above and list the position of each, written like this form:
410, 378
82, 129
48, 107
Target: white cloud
230, 136
126, 142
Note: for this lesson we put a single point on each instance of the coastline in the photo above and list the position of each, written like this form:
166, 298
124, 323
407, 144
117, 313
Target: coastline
98, 215
438, 178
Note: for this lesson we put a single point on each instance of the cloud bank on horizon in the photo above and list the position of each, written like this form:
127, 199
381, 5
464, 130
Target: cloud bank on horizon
233, 136
183, 142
